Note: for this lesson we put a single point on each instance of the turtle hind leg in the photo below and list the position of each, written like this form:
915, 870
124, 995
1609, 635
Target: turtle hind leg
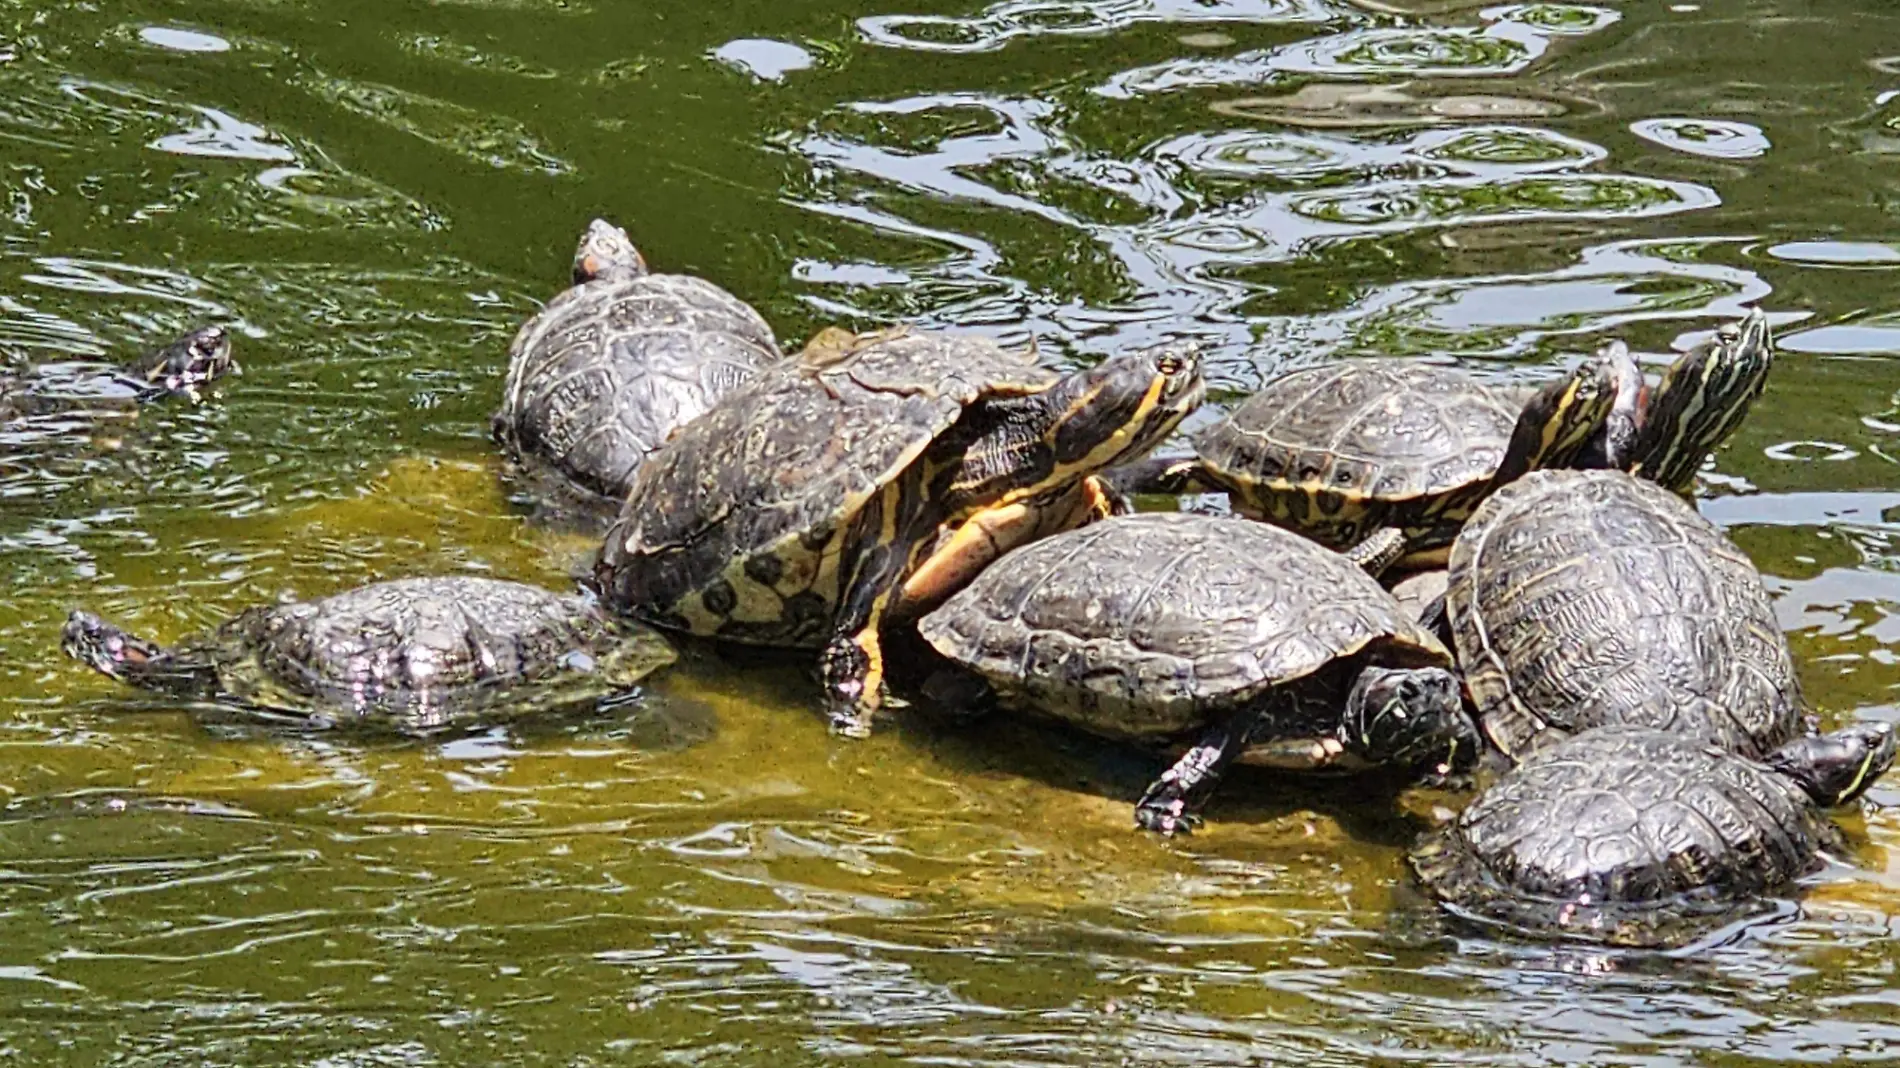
1169, 804
886, 542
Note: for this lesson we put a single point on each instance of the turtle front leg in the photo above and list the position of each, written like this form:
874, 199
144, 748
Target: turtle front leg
959, 556
889, 538
1169, 804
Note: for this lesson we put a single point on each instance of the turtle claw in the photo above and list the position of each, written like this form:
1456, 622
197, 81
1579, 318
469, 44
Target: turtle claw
1168, 817
850, 724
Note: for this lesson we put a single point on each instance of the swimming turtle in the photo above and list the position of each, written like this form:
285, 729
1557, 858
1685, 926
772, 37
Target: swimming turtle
1580, 598
1342, 449
792, 512
1631, 836
603, 374
415, 653
1247, 640
179, 369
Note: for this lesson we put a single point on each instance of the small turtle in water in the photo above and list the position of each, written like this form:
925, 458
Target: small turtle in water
417, 653
1636, 837
1337, 451
1249, 641
1582, 598
602, 376
794, 512
180, 369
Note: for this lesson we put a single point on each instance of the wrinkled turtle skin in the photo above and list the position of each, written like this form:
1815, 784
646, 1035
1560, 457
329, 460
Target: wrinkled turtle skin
792, 513
1583, 598
1170, 627
416, 654
602, 376
182, 368
1636, 837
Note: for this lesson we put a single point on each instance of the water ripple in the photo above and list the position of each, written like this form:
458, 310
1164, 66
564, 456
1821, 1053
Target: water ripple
1010, 19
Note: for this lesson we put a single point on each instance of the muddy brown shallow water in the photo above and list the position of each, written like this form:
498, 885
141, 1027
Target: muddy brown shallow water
376, 194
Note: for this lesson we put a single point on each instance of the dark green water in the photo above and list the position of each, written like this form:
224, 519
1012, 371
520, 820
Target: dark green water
377, 193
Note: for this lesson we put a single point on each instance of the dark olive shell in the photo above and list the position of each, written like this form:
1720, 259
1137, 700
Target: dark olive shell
1627, 836
426, 651
602, 375
1338, 451
1145, 626
736, 528
1582, 598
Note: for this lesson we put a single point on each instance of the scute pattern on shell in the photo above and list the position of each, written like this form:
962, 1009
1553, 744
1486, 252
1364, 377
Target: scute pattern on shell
428, 648
1340, 450
1584, 598
1141, 625
1624, 835
601, 376
735, 528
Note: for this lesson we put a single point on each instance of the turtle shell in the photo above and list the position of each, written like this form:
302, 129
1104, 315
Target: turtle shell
737, 526
1627, 836
603, 374
1582, 598
1146, 626
427, 651
1338, 451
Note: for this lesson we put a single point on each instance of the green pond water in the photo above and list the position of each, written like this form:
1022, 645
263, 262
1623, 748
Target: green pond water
377, 193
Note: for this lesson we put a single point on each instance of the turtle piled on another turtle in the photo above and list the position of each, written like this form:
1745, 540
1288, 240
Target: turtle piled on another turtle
1637, 837
795, 511
602, 376
416, 653
180, 369
1245, 640
1582, 598
1337, 451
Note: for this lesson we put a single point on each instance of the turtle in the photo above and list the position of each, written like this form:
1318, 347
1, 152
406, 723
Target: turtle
794, 512
1338, 450
416, 654
1247, 640
1582, 598
1632, 836
603, 374
181, 368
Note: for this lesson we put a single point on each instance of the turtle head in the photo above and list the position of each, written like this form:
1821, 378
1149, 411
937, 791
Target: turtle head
111, 650
182, 367
106, 648
1410, 718
1561, 419
1122, 407
1839, 766
607, 254
1613, 445
1704, 396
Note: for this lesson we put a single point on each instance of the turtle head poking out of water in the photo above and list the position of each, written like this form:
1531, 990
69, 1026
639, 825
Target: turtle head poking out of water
184, 366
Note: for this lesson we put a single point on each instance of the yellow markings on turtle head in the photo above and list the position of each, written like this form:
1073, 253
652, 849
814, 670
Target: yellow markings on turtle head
1105, 450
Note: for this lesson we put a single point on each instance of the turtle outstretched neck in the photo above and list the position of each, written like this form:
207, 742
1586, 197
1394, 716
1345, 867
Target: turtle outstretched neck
113, 651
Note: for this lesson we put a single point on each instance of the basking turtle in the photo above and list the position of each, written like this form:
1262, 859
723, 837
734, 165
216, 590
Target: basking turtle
603, 374
791, 513
1248, 640
180, 369
1339, 450
415, 653
1637, 837
1580, 598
